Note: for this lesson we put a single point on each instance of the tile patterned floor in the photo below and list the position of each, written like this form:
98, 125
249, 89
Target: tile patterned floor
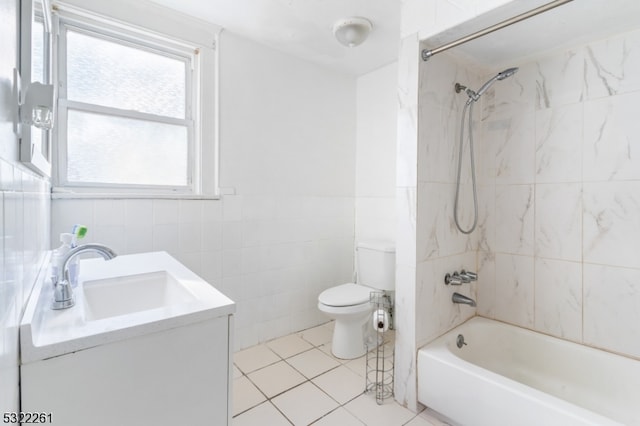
296, 380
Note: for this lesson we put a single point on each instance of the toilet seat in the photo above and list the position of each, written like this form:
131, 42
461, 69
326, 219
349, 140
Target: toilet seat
345, 295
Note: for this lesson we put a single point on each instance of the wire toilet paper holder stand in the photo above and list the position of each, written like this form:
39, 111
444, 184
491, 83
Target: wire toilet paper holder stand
380, 348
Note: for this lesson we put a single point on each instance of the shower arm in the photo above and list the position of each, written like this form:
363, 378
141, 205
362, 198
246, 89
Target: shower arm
428, 53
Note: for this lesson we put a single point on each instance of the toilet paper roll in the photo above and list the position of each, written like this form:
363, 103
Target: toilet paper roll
380, 320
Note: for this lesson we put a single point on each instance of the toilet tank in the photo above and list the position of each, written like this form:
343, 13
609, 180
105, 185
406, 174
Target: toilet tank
376, 263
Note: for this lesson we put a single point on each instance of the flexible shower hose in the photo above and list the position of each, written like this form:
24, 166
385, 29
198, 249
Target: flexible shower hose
468, 105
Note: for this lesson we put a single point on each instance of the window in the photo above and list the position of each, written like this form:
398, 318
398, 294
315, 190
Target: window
128, 111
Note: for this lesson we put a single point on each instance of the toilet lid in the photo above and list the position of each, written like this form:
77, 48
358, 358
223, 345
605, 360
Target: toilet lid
345, 295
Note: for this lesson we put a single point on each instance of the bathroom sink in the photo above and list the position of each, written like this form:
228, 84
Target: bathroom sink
127, 297
112, 297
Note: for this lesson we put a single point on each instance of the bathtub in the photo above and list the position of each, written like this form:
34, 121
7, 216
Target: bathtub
506, 375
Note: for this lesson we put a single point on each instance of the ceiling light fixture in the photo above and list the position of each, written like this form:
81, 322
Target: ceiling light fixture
352, 31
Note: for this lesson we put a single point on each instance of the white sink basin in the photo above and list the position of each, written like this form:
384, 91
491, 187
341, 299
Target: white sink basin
128, 296
112, 297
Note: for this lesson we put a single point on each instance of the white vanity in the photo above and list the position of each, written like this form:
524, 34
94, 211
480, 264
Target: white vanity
147, 343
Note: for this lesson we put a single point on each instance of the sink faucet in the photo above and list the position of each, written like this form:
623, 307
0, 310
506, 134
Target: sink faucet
62, 291
459, 298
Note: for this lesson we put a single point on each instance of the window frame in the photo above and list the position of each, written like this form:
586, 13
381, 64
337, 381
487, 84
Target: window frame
35, 145
202, 143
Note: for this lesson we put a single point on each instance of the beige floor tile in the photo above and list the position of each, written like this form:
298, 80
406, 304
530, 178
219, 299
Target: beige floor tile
290, 345
341, 384
318, 335
304, 404
339, 417
313, 363
421, 421
236, 372
358, 365
264, 414
429, 415
276, 378
306, 384
245, 395
326, 348
253, 358
370, 413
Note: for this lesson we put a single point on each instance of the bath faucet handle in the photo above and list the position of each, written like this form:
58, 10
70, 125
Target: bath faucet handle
468, 276
453, 279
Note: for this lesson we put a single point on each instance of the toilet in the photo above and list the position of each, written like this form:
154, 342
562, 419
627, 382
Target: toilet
349, 305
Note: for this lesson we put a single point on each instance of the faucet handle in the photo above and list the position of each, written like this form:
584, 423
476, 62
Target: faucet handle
468, 276
453, 279
63, 296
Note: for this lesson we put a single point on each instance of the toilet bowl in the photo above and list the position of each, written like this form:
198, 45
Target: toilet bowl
349, 304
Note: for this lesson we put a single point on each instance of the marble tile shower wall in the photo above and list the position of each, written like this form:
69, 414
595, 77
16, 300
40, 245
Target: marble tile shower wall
24, 227
420, 19
272, 255
559, 181
440, 247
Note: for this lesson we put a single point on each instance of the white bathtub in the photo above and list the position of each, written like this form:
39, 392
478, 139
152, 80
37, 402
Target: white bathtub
507, 375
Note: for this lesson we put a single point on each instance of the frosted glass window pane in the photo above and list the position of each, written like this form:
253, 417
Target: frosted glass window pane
37, 52
110, 74
37, 74
107, 149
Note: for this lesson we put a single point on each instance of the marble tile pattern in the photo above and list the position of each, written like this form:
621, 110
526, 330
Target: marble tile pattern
406, 210
557, 163
440, 247
559, 181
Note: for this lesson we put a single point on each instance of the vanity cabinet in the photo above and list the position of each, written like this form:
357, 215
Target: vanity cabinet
172, 377
147, 343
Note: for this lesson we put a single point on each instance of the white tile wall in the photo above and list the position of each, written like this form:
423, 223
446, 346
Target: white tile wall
24, 231
611, 315
288, 147
24, 222
440, 248
558, 172
559, 144
558, 298
375, 154
271, 248
273, 267
566, 236
406, 207
417, 238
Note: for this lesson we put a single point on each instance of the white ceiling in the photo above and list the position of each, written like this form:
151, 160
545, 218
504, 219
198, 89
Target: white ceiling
304, 28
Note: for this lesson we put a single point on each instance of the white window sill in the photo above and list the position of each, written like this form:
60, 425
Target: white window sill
66, 195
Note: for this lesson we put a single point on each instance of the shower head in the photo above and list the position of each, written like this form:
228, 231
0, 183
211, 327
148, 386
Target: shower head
500, 76
507, 73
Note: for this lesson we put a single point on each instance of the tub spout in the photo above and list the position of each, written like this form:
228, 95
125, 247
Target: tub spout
459, 298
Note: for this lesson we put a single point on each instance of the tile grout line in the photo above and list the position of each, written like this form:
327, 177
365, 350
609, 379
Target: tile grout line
341, 362
307, 379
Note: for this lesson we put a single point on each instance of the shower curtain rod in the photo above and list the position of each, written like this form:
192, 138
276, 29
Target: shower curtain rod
428, 53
